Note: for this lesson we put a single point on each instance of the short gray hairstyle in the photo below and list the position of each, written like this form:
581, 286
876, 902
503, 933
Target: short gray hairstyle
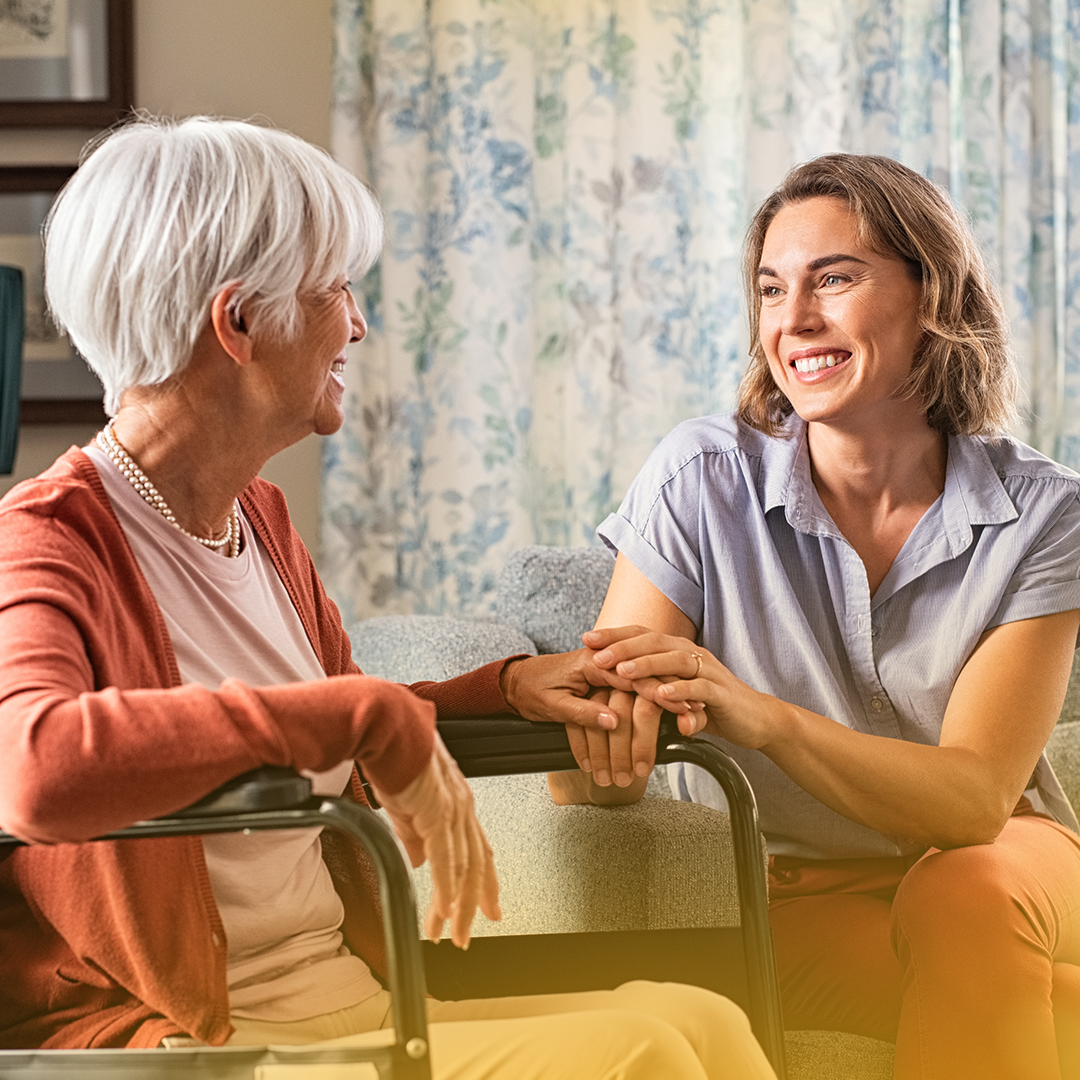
162, 214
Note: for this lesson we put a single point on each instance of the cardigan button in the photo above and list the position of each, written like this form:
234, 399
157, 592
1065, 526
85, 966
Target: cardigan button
216, 939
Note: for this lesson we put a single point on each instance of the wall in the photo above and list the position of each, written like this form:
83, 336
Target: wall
243, 58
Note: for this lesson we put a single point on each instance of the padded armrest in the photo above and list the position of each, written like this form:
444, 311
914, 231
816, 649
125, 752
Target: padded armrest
269, 787
501, 745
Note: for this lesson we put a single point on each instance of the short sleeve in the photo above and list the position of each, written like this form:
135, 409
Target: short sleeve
1047, 579
656, 527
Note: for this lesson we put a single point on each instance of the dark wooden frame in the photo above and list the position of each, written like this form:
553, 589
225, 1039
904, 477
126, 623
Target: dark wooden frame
97, 113
50, 178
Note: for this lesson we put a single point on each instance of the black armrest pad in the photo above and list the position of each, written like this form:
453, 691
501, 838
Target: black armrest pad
270, 787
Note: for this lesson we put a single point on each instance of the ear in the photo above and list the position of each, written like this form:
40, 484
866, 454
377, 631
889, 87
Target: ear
227, 321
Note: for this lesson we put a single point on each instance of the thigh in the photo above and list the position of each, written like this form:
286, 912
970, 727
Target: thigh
836, 964
988, 937
1025, 885
609, 1045
715, 1027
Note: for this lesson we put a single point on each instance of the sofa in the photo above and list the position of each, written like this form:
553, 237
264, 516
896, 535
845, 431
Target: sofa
660, 864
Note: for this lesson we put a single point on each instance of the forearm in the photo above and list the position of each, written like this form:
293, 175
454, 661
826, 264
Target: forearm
936, 795
77, 761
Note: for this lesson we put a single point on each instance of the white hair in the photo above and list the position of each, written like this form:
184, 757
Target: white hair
162, 214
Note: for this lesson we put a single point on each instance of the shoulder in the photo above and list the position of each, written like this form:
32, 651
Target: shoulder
708, 442
68, 498
1034, 482
1012, 458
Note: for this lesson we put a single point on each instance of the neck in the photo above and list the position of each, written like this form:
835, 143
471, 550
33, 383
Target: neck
196, 466
904, 463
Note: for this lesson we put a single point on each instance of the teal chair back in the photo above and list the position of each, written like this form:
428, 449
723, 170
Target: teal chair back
11, 350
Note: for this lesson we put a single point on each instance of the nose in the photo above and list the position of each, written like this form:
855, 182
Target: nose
359, 325
802, 313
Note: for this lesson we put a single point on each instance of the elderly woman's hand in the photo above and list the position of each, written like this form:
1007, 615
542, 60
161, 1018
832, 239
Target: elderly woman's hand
435, 818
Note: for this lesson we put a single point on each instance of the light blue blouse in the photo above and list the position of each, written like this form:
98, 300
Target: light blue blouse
726, 523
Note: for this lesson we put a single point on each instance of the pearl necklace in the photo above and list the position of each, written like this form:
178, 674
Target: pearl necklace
110, 445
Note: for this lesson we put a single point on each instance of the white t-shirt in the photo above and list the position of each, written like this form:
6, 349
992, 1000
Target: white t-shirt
232, 618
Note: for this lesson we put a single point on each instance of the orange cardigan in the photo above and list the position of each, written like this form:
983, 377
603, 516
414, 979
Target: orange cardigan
120, 943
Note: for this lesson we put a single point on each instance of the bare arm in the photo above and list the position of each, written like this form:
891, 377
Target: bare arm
1000, 715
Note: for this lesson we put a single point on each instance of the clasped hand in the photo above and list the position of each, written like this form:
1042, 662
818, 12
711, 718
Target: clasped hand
622, 682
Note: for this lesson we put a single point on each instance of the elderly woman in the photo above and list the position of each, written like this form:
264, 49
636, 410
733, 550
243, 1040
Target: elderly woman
164, 629
870, 595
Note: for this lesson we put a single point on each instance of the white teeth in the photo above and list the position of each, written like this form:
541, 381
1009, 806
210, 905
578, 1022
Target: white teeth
337, 367
816, 363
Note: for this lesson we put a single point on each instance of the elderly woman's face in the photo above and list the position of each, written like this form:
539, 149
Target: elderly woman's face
304, 376
839, 323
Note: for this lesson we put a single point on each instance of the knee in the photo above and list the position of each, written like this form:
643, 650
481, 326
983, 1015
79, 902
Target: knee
690, 1009
952, 896
651, 1047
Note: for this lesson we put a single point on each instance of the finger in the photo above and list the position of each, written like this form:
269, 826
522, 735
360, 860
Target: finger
600, 742
585, 712
694, 720
676, 663
648, 689
602, 637
633, 648
439, 908
646, 726
579, 747
489, 886
598, 755
620, 753
464, 906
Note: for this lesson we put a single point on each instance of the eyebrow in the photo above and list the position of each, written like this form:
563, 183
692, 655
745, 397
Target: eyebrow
817, 264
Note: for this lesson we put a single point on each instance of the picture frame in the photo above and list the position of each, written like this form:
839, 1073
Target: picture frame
57, 386
66, 63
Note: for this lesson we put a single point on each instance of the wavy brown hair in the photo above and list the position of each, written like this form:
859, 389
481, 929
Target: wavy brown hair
963, 369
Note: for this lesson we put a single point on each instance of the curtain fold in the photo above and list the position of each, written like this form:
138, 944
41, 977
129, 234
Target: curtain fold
566, 184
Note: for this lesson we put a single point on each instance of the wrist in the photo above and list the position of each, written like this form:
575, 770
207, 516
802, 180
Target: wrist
782, 726
508, 681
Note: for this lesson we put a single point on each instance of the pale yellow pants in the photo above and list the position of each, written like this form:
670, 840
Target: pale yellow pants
639, 1031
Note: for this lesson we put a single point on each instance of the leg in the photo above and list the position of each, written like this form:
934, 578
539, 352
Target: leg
830, 922
639, 1031
1066, 998
716, 1029
977, 931
836, 966
607, 1045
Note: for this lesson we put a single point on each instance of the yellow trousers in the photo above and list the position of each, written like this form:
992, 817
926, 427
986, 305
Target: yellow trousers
639, 1031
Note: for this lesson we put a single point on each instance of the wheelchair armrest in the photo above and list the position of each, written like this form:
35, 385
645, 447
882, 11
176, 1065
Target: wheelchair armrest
269, 787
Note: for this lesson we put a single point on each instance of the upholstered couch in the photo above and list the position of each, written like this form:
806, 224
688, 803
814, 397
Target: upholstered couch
658, 864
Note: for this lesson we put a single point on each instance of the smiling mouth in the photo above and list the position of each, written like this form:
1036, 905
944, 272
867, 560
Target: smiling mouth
809, 364
337, 367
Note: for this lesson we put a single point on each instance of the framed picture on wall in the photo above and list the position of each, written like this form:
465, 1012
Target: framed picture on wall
65, 63
57, 386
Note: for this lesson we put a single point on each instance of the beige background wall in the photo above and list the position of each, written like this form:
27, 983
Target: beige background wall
242, 58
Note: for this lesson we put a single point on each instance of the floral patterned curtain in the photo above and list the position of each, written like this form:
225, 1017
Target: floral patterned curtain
566, 184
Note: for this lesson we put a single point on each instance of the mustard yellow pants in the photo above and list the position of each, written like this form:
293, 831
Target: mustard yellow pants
639, 1031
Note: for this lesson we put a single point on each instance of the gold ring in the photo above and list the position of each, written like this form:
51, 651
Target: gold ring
697, 657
